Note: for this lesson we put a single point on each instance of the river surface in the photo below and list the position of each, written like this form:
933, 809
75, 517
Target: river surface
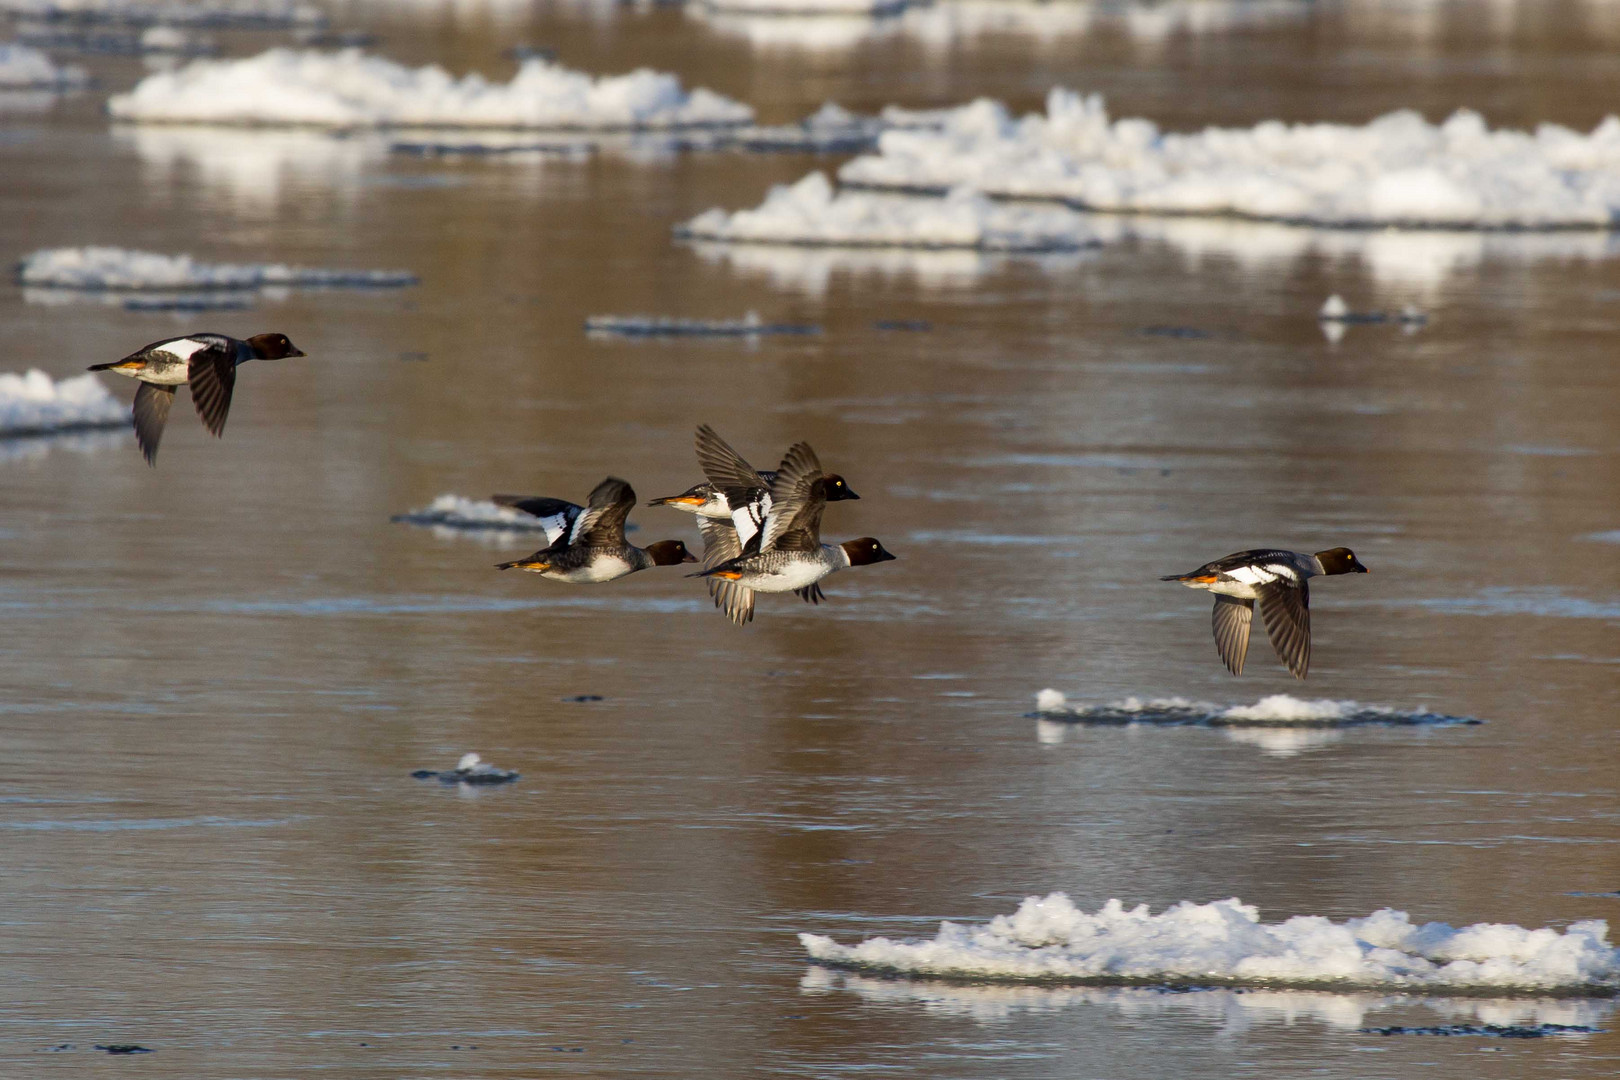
220, 673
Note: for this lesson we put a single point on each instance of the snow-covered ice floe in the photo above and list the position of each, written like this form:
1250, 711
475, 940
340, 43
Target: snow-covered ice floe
33, 404
1397, 170
832, 129
810, 212
1277, 710
459, 513
1234, 1011
349, 89
111, 268
1224, 943
234, 14
807, 7
23, 67
639, 326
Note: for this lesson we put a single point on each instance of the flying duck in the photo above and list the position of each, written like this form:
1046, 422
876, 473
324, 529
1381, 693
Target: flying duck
207, 362
785, 554
588, 545
1278, 579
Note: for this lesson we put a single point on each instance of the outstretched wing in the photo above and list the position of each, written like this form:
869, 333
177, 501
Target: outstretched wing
556, 516
151, 414
1232, 621
602, 523
212, 374
798, 496
1286, 610
722, 466
720, 546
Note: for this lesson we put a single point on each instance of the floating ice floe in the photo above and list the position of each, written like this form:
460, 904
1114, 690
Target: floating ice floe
1277, 710
810, 212
807, 7
1224, 943
639, 326
831, 129
33, 404
1235, 1011
23, 67
1397, 170
350, 89
110, 268
235, 14
458, 513
471, 769
1335, 310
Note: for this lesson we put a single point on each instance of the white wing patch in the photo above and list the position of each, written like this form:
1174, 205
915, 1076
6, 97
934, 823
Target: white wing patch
748, 518
183, 348
1263, 574
556, 524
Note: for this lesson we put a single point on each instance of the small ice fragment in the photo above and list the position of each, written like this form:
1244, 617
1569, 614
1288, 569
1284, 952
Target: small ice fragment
96, 268
1050, 700
1334, 310
751, 325
34, 404
471, 769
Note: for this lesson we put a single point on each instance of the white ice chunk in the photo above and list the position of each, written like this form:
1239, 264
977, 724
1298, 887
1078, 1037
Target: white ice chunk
460, 512
807, 7
260, 14
1397, 170
810, 212
350, 89
34, 404
119, 268
1334, 309
25, 68
1050, 700
1225, 943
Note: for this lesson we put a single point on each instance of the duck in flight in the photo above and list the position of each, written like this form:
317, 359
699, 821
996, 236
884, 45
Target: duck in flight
784, 553
586, 544
206, 362
739, 485
1279, 581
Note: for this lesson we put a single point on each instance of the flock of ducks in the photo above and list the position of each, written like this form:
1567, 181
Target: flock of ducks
761, 530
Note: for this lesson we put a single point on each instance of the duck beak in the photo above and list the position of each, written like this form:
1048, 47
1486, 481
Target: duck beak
297, 352
689, 558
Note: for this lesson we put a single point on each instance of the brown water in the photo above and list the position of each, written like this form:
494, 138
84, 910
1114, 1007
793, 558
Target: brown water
220, 672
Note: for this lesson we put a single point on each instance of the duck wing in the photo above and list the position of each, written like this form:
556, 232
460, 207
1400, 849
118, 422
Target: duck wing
720, 546
151, 415
212, 374
602, 523
1286, 609
1232, 619
556, 516
798, 496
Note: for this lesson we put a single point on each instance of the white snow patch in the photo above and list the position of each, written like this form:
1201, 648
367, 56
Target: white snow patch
26, 68
1397, 170
810, 212
1277, 709
34, 404
243, 14
807, 7
349, 89
119, 268
1225, 943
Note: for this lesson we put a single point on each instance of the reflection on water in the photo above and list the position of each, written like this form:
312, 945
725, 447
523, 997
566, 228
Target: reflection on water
252, 169
1232, 1011
811, 270
941, 26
